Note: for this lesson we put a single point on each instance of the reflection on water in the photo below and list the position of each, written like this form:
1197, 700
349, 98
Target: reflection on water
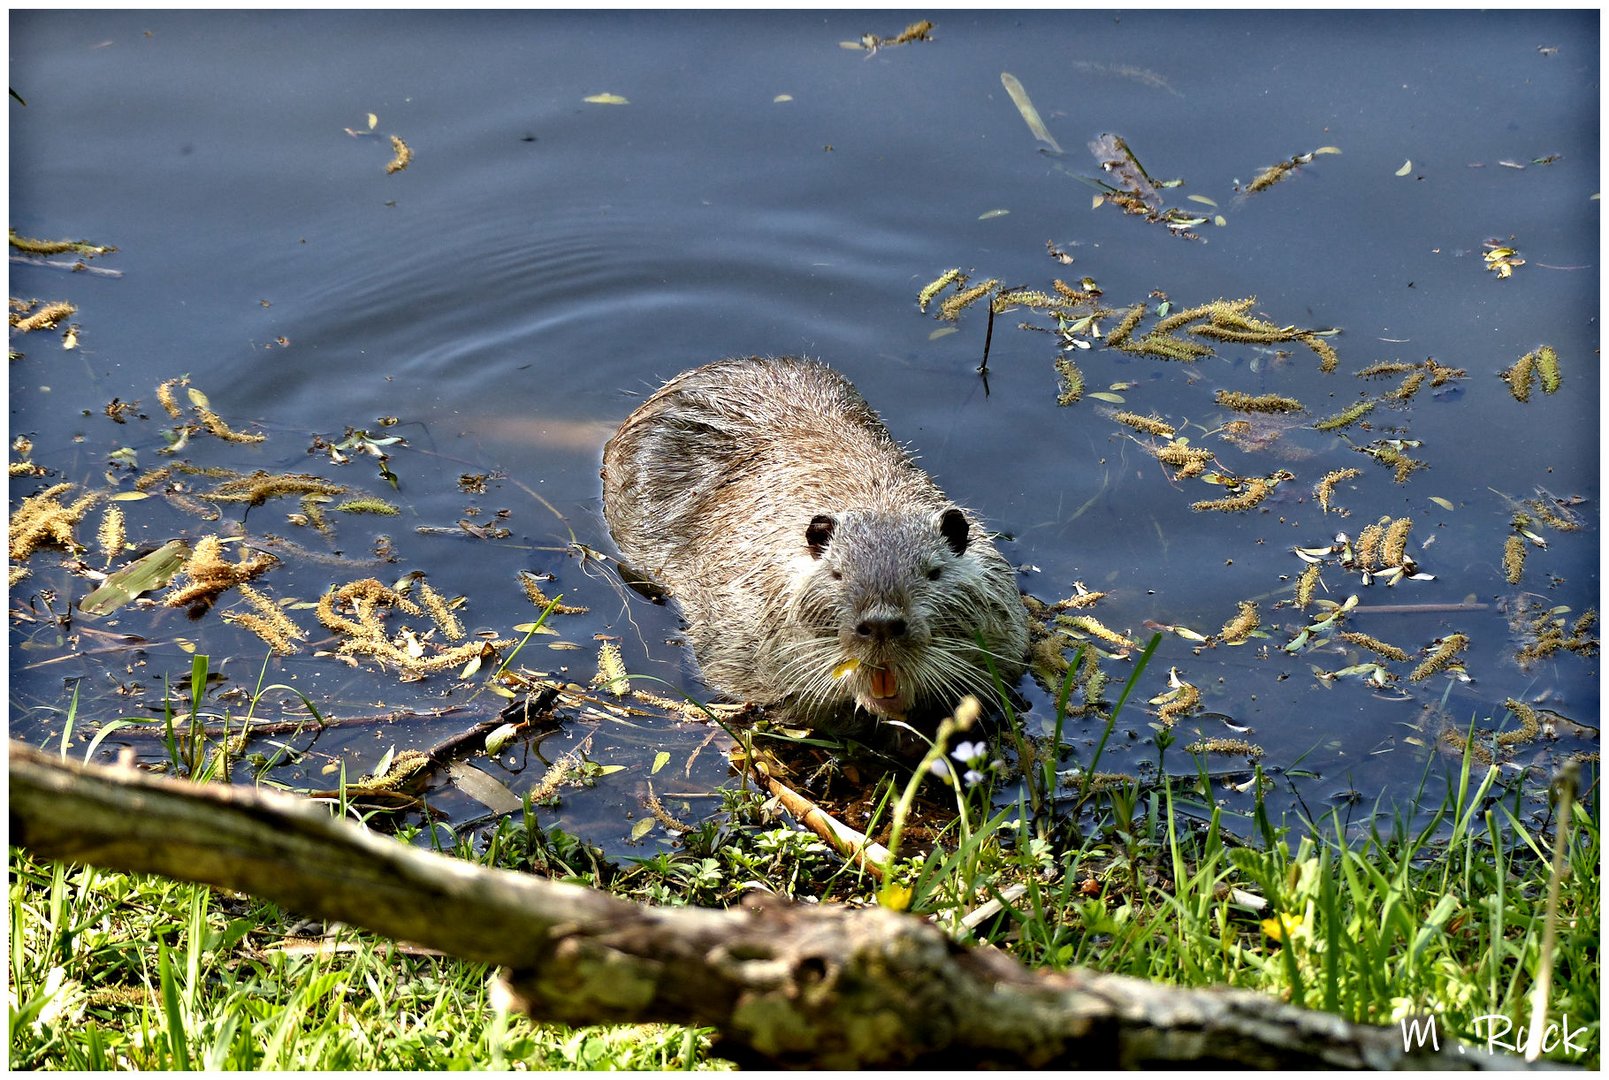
544, 261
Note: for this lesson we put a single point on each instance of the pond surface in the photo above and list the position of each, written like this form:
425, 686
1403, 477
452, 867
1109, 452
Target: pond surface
743, 183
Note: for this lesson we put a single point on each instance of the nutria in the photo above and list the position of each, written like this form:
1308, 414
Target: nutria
818, 568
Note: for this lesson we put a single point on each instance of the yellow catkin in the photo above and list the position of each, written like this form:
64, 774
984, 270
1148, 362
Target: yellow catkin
1324, 490
113, 533
1346, 417
1440, 374
1190, 460
1093, 627
1514, 559
1075, 296
1259, 403
1394, 549
1384, 648
1388, 367
1547, 366
42, 521
31, 246
1270, 176
1151, 425
1237, 630
164, 394
1585, 623
45, 318
367, 505
1256, 490
1125, 326
1326, 352
953, 305
1410, 386
1167, 347
1520, 375
1032, 298
1072, 381
533, 592
1552, 515
440, 611
611, 675
1530, 727
216, 424
1446, 651
1176, 319
1179, 704
1306, 585
938, 285
1225, 746
1368, 545
402, 155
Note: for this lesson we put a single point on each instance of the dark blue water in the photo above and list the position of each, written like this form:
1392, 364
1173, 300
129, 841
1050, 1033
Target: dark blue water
543, 261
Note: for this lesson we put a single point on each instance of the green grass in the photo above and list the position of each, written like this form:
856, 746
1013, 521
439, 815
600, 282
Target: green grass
112, 970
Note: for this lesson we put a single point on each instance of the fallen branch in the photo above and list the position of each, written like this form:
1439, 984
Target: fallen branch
784, 985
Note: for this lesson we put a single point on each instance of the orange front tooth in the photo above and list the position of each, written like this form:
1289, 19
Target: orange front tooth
884, 684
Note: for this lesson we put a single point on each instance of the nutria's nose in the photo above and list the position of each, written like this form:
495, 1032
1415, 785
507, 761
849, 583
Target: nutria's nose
880, 628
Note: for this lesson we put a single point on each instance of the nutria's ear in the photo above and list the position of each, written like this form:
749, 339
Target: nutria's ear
819, 534
953, 524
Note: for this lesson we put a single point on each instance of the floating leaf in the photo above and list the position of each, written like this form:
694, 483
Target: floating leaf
486, 790
1445, 504
1096, 201
1407, 167
1019, 97
943, 331
642, 828
373, 121
1326, 150
605, 99
661, 759
143, 575
1219, 220
987, 214
782, 97
1115, 399
1201, 199
129, 496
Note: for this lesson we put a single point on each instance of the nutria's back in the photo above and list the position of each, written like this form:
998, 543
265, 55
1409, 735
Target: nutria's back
817, 566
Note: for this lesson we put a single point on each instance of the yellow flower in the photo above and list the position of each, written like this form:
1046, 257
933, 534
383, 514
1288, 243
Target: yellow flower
1282, 928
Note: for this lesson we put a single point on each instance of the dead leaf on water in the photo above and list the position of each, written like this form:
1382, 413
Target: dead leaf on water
782, 97
987, 214
143, 575
605, 99
1019, 97
483, 788
1407, 167
1201, 199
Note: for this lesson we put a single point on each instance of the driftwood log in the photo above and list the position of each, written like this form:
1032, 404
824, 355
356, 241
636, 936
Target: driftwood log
784, 985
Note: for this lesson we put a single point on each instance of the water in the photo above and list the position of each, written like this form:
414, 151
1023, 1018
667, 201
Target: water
543, 261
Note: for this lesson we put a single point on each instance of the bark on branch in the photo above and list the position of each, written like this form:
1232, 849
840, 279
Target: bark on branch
785, 985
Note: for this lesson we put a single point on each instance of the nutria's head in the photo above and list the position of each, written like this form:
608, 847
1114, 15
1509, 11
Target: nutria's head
885, 611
